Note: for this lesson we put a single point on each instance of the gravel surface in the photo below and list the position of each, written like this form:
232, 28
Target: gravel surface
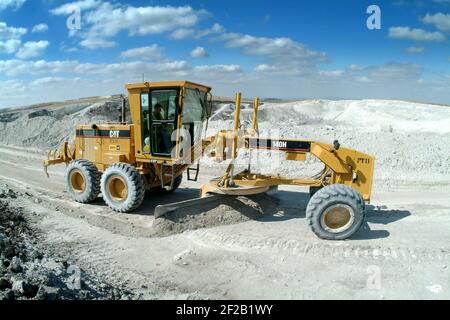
27, 271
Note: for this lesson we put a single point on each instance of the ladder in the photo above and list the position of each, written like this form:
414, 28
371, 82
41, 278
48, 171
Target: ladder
196, 170
164, 175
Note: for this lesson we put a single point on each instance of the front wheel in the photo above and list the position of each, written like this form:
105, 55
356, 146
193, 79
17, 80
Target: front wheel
122, 188
335, 212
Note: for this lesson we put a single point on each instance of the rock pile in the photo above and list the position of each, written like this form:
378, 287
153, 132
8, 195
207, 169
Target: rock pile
27, 272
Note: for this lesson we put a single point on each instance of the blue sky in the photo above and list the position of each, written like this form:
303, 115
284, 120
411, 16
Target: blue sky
284, 49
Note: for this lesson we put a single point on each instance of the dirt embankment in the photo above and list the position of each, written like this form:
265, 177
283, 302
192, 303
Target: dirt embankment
410, 141
47, 127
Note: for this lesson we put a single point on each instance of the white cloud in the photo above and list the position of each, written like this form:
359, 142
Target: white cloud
354, 67
104, 20
332, 74
363, 79
42, 27
68, 8
118, 72
11, 32
47, 81
64, 48
219, 68
381, 74
415, 50
439, 20
153, 52
16, 67
391, 72
97, 43
406, 33
71, 49
10, 84
10, 46
215, 29
283, 55
32, 49
265, 68
182, 34
108, 21
56, 79
14, 4
199, 52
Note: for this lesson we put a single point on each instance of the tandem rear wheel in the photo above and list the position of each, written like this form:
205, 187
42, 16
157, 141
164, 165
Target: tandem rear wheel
122, 188
82, 181
335, 212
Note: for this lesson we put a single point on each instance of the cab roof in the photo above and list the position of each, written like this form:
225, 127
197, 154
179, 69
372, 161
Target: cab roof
167, 84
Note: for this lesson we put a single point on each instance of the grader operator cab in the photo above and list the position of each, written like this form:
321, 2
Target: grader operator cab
167, 137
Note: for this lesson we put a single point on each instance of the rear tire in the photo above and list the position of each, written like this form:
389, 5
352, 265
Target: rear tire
122, 188
82, 181
176, 185
335, 212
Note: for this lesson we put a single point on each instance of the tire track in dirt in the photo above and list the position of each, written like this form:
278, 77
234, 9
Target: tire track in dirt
89, 246
238, 242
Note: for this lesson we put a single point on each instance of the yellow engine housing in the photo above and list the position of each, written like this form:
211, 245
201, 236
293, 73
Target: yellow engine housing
105, 144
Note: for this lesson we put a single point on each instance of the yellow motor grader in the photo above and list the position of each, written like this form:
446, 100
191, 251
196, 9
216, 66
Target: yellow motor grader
165, 139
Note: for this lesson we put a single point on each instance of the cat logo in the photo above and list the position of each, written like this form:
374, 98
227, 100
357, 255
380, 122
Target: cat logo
114, 134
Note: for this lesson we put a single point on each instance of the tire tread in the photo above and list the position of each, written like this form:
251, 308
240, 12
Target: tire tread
92, 177
337, 193
136, 187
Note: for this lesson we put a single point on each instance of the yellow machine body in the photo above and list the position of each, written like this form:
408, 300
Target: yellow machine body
183, 104
105, 145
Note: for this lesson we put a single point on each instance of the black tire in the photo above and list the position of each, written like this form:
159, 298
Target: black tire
82, 181
335, 212
176, 185
122, 188
313, 191
360, 199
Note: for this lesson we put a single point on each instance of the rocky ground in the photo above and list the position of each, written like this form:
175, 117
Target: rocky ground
29, 271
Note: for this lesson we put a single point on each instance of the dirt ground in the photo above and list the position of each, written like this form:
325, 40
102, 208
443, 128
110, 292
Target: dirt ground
402, 252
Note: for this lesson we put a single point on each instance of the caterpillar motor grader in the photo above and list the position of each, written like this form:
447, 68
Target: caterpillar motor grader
123, 160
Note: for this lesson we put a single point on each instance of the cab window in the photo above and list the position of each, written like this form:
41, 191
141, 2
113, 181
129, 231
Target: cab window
194, 106
159, 111
194, 113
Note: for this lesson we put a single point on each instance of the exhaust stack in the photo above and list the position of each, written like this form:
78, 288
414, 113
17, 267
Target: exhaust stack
123, 114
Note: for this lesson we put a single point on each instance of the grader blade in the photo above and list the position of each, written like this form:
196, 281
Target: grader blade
211, 193
165, 209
